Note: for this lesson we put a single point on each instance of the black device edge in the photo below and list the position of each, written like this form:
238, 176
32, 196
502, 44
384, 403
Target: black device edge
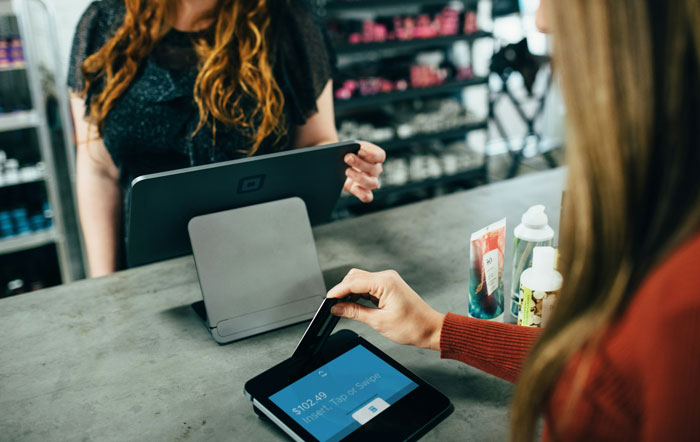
338, 344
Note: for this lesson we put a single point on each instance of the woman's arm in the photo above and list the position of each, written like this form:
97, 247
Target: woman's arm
402, 316
99, 195
364, 168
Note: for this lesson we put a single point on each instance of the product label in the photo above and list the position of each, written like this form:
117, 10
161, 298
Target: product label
535, 306
491, 272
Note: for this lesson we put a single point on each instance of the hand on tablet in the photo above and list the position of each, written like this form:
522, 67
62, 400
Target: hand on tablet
363, 173
401, 315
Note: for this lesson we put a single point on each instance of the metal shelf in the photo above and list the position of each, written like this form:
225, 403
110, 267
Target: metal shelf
398, 143
372, 4
18, 120
414, 186
33, 240
39, 177
13, 68
414, 44
389, 97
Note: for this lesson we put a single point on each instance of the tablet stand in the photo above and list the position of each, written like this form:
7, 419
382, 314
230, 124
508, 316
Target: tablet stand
257, 268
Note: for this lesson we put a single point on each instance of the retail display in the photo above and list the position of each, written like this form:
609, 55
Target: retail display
448, 21
39, 240
400, 86
11, 51
29, 270
443, 114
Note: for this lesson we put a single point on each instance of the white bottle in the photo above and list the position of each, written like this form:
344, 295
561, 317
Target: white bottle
533, 231
539, 288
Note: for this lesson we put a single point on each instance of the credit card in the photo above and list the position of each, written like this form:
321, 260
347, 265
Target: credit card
320, 327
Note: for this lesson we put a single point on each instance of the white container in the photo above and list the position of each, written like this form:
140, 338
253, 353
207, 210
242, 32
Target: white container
539, 288
533, 231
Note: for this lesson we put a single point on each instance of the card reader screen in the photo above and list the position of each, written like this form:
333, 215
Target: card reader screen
344, 394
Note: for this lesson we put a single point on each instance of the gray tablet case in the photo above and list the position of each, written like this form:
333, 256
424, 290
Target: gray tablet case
257, 268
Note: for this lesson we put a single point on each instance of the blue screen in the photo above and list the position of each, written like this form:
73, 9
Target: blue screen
341, 396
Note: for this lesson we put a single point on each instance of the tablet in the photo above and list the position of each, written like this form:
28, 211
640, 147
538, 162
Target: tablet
163, 203
350, 391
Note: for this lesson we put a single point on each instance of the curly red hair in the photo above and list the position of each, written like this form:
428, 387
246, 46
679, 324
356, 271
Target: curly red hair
234, 67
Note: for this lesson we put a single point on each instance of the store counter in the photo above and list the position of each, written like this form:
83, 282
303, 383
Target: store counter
124, 357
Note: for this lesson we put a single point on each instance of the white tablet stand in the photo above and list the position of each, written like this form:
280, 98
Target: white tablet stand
257, 267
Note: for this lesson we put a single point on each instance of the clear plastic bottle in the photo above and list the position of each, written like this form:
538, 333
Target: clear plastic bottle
533, 231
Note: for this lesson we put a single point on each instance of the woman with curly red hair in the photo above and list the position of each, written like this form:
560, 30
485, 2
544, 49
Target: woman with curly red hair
166, 84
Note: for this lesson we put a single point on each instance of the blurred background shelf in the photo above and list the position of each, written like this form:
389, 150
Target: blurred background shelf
337, 5
399, 143
408, 94
476, 174
24, 242
413, 44
19, 120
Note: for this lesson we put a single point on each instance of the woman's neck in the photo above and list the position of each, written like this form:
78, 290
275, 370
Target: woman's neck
194, 15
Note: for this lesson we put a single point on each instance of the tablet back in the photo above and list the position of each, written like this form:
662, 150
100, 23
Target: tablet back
163, 203
257, 268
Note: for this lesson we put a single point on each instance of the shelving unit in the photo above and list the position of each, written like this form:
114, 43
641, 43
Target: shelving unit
369, 101
413, 44
24, 242
398, 143
19, 120
356, 105
54, 151
340, 5
426, 184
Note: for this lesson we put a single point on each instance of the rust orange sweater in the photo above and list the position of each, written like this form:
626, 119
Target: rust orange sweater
644, 383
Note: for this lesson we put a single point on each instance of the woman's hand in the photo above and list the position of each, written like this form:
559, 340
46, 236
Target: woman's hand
363, 173
401, 315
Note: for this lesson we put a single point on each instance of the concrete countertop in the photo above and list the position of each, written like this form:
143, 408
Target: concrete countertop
124, 357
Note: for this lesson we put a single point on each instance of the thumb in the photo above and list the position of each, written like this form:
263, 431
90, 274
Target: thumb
354, 311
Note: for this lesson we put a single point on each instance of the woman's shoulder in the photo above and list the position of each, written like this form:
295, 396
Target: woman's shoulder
673, 287
101, 15
667, 300
98, 23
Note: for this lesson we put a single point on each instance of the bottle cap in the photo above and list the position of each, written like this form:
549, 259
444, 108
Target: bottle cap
535, 218
543, 260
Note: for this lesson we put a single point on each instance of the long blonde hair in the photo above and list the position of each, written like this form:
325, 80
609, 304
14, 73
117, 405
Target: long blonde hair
234, 68
631, 80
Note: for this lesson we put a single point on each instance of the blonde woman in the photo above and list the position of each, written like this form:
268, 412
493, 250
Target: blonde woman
166, 84
620, 357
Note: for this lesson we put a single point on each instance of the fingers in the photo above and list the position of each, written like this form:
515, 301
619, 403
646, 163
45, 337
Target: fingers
373, 169
362, 179
355, 282
363, 194
354, 311
371, 152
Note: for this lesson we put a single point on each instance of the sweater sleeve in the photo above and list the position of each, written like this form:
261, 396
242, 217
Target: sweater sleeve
494, 347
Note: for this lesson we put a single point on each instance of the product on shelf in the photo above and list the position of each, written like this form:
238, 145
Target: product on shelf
11, 52
23, 209
439, 115
11, 173
28, 270
435, 161
398, 73
400, 27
